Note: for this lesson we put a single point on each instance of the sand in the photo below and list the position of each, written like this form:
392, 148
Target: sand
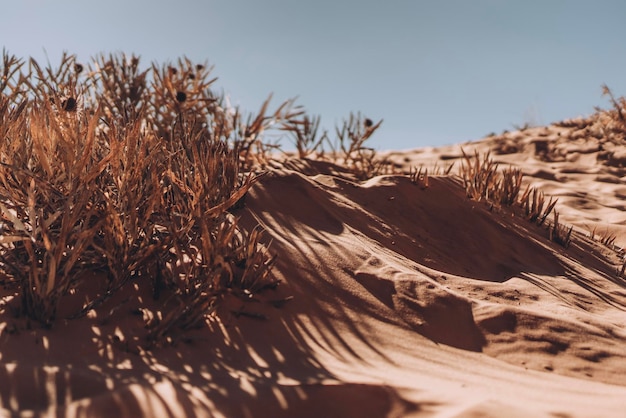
395, 300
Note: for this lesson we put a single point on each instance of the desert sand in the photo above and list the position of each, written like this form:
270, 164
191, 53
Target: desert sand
396, 300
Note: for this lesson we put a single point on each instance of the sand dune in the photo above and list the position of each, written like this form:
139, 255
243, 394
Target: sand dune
395, 300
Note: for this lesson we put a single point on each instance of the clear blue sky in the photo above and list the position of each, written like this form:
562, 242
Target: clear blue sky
437, 71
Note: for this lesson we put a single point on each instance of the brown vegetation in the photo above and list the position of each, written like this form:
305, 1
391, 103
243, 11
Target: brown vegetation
133, 174
484, 182
136, 173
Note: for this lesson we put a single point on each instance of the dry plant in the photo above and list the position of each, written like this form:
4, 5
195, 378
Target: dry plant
532, 203
509, 185
607, 238
249, 140
559, 233
484, 182
131, 239
350, 150
122, 87
131, 172
477, 176
12, 79
303, 132
614, 120
442, 171
419, 177
202, 274
49, 199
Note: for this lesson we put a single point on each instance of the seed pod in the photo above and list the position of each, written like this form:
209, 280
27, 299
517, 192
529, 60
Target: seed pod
69, 104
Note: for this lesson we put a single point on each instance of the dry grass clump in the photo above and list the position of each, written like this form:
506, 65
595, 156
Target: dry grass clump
559, 233
606, 238
532, 203
420, 176
483, 181
614, 120
348, 149
132, 173
501, 188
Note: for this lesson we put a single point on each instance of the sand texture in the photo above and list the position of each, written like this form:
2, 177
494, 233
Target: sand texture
396, 300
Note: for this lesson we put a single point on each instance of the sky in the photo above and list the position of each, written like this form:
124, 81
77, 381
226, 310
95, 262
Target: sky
436, 72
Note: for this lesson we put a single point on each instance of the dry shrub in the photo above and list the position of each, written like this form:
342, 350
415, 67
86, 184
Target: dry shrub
614, 120
477, 176
351, 151
130, 172
348, 149
532, 202
484, 182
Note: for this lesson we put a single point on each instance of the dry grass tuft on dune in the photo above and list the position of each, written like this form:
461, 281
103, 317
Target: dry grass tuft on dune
159, 257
